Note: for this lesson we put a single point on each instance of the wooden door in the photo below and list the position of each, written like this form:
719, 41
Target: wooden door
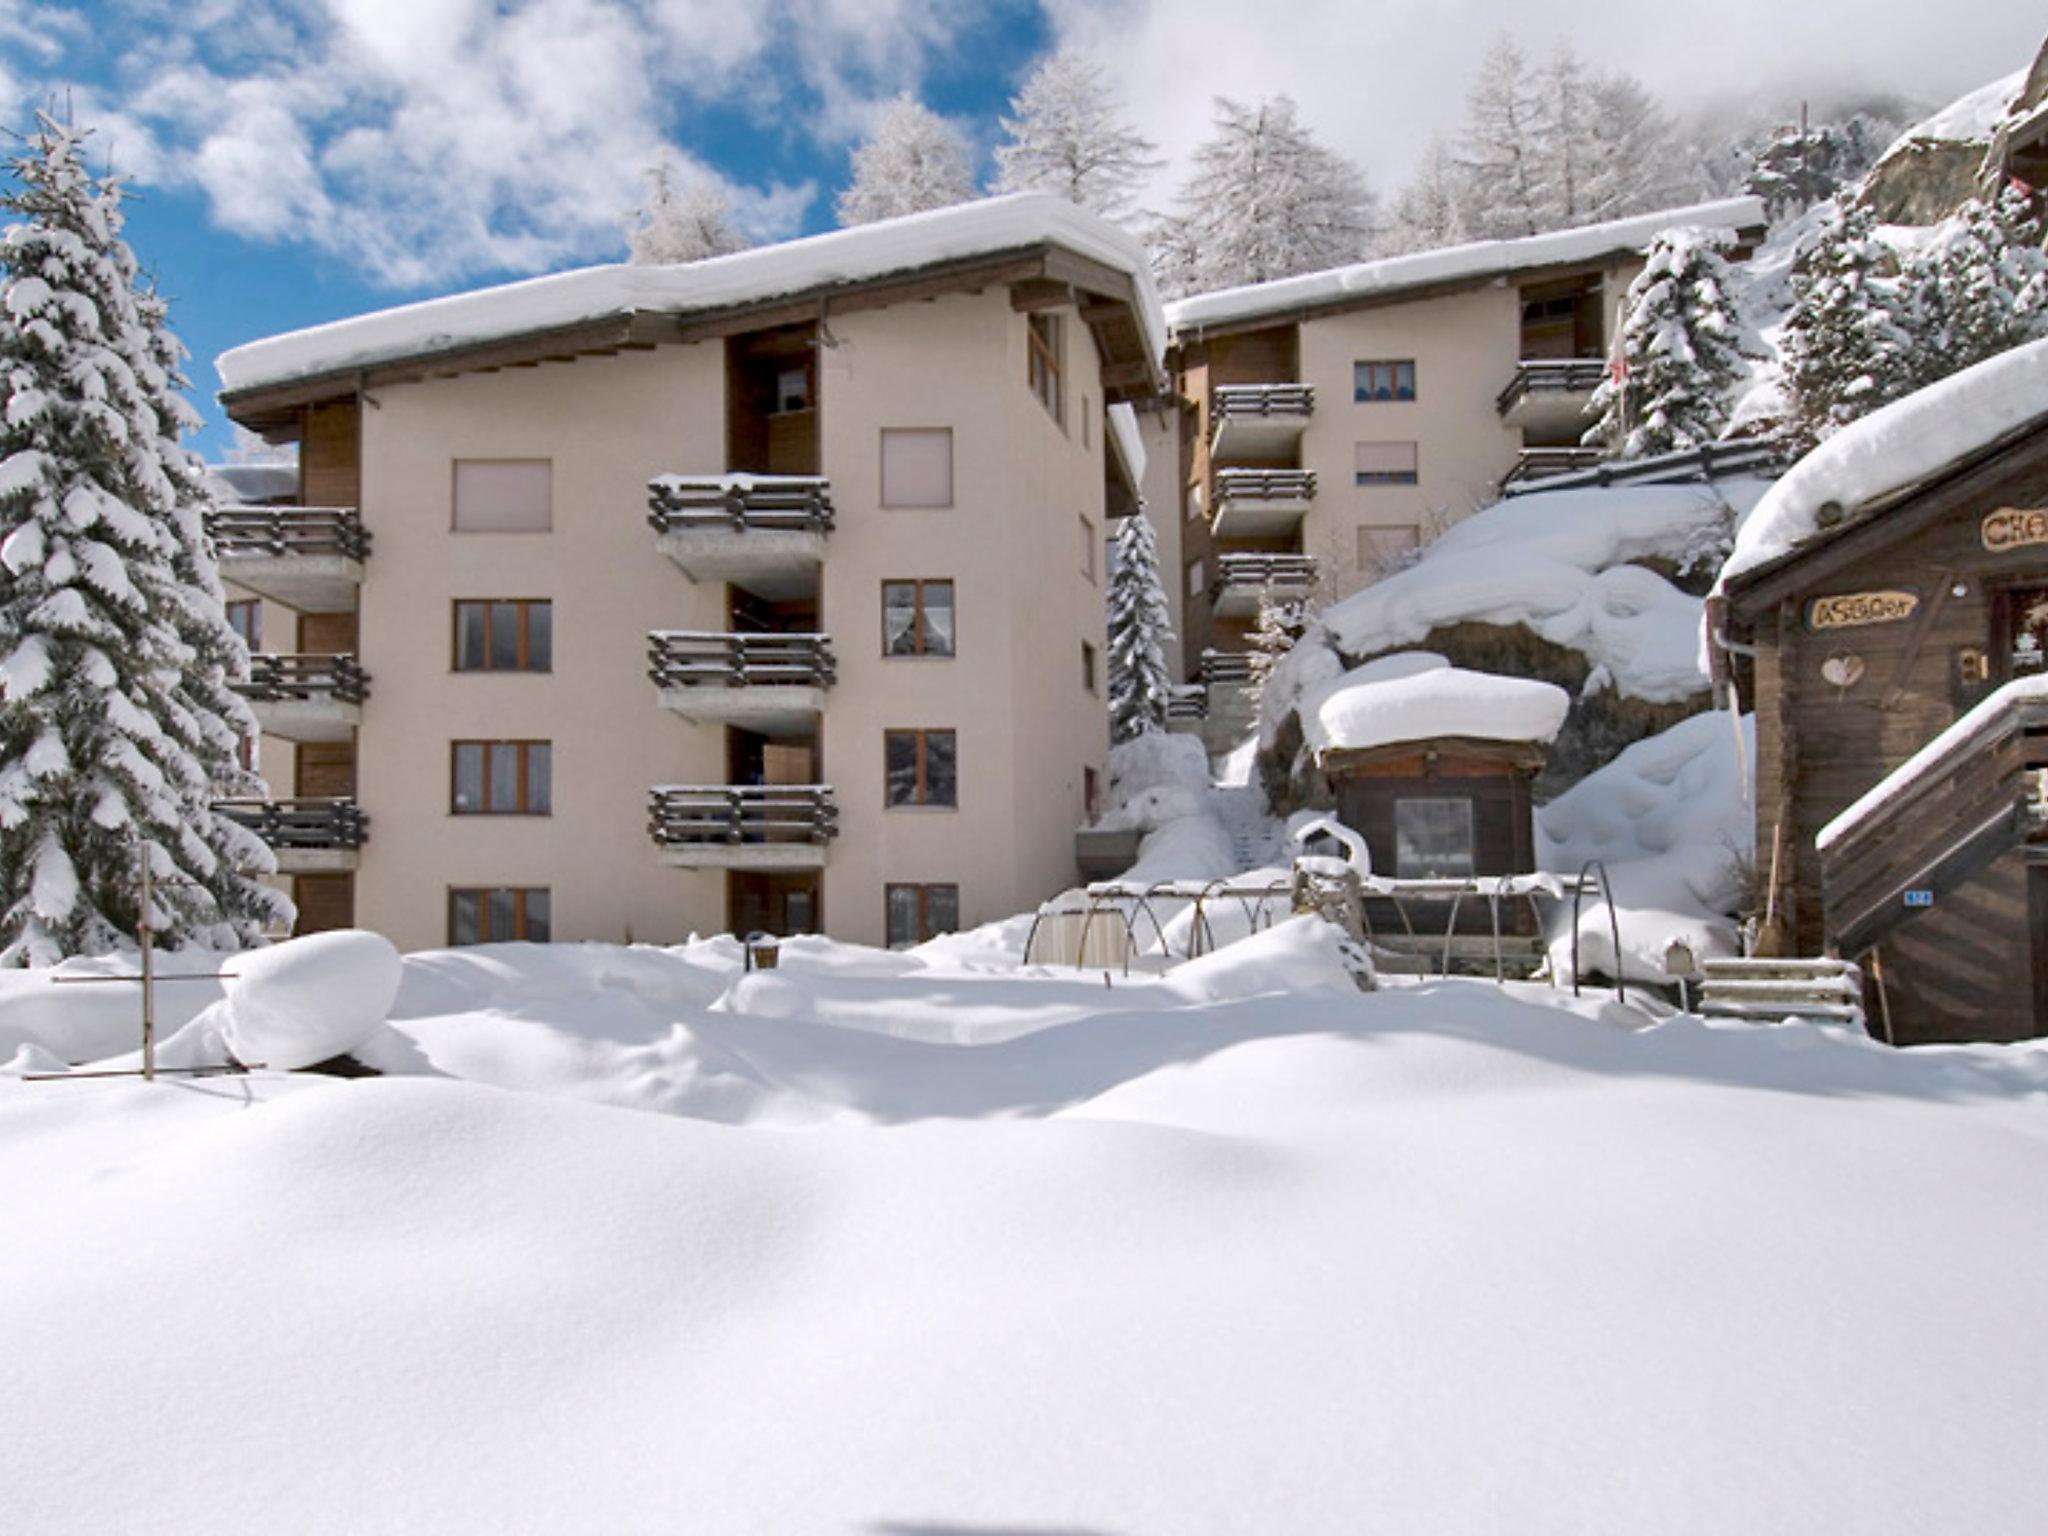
326, 770
325, 902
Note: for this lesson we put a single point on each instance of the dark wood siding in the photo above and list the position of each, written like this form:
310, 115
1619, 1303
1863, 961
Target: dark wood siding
330, 456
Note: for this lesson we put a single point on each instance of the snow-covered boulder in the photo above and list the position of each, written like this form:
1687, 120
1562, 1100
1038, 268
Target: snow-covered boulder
310, 999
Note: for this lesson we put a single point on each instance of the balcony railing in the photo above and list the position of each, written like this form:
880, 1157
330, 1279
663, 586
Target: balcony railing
1551, 376
275, 679
1263, 414
1285, 573
285, 532
324, 825
736, 503
687, 658
739, 818
1226, 668
1187, 702
1264, 485
1542, 463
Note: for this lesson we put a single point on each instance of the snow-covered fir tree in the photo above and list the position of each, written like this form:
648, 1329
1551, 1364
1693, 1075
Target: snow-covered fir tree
1429, 212
1795, 167
685, 219
119, 726
1068, 137
1140, 630
1265, 200
1978, 289
1681, 347
912, 160
1281, 617
1844, 349
1498, 150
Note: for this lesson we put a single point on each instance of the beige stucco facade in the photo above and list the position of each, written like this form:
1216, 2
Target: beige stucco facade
1022, 543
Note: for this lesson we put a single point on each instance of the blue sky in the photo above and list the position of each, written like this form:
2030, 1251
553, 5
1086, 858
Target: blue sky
294, 161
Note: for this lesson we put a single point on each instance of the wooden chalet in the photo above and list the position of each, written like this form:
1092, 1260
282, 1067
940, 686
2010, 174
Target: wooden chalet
1857, 650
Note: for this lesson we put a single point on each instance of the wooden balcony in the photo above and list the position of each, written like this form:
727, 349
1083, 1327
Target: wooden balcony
308, 558
742, 826
1258, 421
1261, 503
309, 837
774, 684
306, 698
1242, 579
1548, 396
1533, 464
765, 533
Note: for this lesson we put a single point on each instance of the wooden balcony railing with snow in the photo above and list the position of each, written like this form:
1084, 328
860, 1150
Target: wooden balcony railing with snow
739, 503
688, 658
278, 533
742, 826
275, 678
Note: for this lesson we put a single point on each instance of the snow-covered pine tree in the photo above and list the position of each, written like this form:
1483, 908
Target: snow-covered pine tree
911, 161
1265, 201
1629, 162
1429, 213
1499, 152
684, 220
1681, 342
1140, 630
1795, 167
1280, 622
115, 651
1069, 138
1979, 289
1843, 349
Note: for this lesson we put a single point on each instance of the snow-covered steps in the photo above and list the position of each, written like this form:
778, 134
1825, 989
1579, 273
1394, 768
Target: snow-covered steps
1765, 990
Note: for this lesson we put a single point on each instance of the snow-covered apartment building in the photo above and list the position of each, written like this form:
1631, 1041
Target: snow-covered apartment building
762, 593
1331, 423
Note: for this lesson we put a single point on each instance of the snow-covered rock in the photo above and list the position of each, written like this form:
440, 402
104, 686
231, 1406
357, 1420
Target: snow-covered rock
1670, 821
1892, 450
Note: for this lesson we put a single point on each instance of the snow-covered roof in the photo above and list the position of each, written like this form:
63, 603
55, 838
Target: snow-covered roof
1481, 259
1129, 441
1909, 774
1966, 119
253, 482
865, 253
1562, 563
1420, 696
1892, 450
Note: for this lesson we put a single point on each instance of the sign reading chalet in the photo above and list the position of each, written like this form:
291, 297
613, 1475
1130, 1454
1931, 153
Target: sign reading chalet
2015, 528
1844, 610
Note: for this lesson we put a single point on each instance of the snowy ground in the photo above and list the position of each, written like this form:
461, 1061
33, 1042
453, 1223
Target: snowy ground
926, 1245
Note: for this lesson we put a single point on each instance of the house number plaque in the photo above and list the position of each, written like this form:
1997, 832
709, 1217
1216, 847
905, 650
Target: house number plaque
1847, 609
2015, 528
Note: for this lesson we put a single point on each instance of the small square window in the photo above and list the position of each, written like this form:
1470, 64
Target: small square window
245, 618
502, 778
916, 914
498, 915
1087, 549
1433, 839
1386, 463
920, 768
504, 495
1042, 370
1198, 578
1383, 380
917, 618
512, 635
1087, 666
917, 467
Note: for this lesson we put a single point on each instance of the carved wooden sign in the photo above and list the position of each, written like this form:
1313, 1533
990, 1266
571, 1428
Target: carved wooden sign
2015, 528
1845, 610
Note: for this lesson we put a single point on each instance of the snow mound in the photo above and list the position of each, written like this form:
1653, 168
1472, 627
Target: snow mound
1474, 261
1669, 821
1562, 563
1968, 119
1419, 696
861, 254
309, 999
1892, 450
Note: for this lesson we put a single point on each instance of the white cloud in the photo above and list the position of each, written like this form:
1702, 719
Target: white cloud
426, 141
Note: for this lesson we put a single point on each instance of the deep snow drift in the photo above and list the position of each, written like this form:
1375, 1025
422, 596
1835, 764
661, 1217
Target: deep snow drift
1198, 1255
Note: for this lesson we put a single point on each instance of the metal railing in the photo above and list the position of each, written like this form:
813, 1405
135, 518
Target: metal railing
687, 815
1551, 376
1284, 572
1241, 402
1187, 701
278, 678
333, 823
780, 503
1533, 464
1264, 485
689, 658
251, 533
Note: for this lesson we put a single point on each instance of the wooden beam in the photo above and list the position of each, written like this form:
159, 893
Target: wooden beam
1125, 375
1038, 294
